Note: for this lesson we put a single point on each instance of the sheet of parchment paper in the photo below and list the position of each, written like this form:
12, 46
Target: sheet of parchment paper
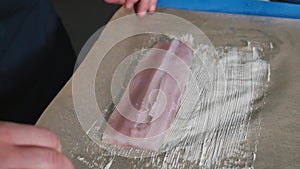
277, 124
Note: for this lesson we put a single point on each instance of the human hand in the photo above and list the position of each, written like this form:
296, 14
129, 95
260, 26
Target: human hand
144, 6
25, 146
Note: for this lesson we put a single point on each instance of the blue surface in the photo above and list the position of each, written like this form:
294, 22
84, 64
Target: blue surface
248, 7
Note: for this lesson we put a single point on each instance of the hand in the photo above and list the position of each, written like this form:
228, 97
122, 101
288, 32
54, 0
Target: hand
24, 146
143, 7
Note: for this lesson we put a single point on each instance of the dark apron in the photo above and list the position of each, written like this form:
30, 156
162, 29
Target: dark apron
36, 58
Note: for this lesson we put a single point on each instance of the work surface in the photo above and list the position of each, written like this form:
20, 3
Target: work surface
278, 144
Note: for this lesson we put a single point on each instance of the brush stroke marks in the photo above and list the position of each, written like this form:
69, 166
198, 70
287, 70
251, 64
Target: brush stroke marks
217, 125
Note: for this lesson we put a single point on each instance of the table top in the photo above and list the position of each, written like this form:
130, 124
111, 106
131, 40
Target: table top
278, 143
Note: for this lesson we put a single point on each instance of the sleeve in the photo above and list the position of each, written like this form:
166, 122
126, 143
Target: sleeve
36, 58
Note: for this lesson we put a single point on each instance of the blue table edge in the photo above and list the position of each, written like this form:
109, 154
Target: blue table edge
245, 7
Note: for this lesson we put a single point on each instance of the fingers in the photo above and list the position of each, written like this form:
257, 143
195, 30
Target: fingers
130, 3
153, 6
33, 158
144, 6
26, 135
24, 146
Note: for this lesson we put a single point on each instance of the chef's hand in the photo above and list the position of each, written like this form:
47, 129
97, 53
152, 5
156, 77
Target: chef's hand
143, 7
24, 146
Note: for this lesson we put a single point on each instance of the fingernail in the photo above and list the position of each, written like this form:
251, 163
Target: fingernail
142, 14
152, 8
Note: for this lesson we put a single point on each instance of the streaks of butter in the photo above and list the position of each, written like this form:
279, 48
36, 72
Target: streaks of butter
217, 125
218, 131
